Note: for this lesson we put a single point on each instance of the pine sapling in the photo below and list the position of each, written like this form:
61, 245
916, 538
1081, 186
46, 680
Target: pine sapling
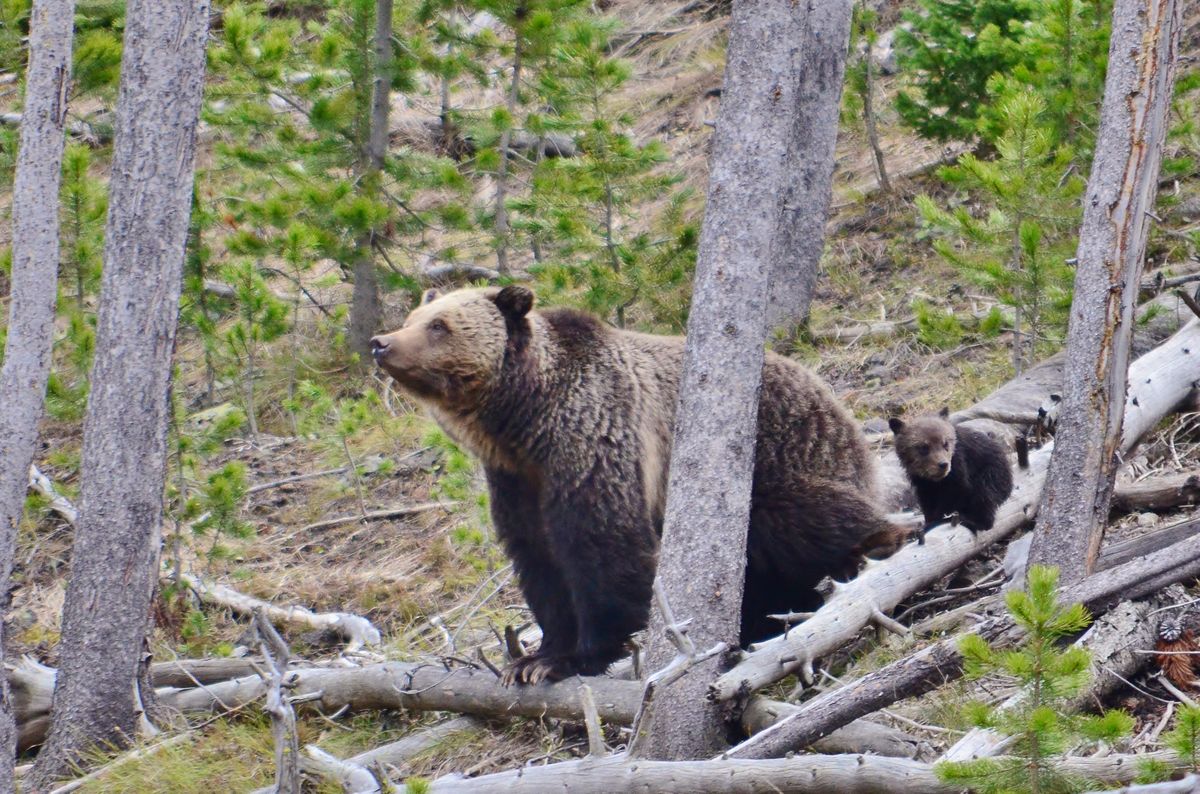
1038, 724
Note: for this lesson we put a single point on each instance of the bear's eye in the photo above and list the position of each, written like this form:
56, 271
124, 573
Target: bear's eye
923, 449
439, 327
946, 445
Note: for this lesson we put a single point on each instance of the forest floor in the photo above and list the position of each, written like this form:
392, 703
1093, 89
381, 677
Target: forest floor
436, 583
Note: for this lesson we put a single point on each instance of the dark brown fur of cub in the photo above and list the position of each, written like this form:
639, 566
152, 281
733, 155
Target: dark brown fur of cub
956, 471
572, 420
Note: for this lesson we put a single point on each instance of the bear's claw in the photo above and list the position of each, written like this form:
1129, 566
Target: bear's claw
536, 668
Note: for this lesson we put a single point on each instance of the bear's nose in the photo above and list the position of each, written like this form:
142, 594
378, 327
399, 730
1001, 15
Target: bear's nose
379, 346
943, 466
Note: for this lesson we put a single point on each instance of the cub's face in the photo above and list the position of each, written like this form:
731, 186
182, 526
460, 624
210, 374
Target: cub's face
451, 347
925, 445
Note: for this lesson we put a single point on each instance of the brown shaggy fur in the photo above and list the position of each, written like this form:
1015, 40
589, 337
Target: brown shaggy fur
958, 472
572, 420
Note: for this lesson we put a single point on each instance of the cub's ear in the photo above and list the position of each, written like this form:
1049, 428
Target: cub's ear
944, 413
514, 302
896, 424
430, 296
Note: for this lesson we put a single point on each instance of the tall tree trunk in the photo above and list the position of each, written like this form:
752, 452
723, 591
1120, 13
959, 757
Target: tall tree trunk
703, 556
800, 237
34, 289
366, 313
115, 555
885, 184
1112, 244
502, 228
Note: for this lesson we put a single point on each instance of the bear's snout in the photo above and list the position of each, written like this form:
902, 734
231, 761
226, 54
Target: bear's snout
379, 347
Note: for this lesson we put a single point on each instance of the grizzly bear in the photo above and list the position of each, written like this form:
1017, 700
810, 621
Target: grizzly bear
572, 420
958, 473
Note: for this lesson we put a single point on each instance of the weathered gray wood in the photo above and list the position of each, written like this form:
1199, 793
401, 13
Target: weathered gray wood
419, 687
1157, 493
703, 556
941, 662
115, 555
34, 290
815, 774
1112, 245
799, 237
366, 309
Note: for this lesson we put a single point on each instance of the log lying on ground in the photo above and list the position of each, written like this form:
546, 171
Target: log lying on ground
1157, 493
58, 503
184, 673
1158, 382
356, 630
356, 775
418, 687
941, 662
818, 774
1186, 785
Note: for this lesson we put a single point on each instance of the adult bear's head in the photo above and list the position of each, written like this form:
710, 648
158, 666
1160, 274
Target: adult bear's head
452, 347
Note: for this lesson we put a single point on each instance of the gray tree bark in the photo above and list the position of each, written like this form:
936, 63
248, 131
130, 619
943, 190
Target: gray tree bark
1112, 245
115, 556
800, 236
366, 310
32, 298
703, 555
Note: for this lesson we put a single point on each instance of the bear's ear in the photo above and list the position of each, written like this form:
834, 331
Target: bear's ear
944, 413
514, 302
896, 424
430, 296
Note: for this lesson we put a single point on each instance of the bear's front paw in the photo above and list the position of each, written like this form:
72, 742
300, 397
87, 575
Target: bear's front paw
536, 668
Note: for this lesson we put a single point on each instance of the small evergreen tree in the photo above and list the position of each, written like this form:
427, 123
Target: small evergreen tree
1184, 738
84, 204
260, 318
950, 49
305, 165
1048, 677
584, 203
536, 27
859, 100
1017, 243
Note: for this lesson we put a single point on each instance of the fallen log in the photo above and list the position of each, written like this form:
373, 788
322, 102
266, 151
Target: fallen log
863, 735
58, 503
941, 662
818, 774
349, 774
1158, 382
1157, 493
356, 630
419, 687
1186, 785
184, 673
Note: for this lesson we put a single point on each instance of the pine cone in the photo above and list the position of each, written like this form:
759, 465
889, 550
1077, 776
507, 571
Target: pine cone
1175, 640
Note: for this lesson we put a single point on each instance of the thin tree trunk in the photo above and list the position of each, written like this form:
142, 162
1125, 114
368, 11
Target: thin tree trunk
800, 236
113, 566
366, 312
514, 94
885, 184
703, 556
1112, 244
30, 341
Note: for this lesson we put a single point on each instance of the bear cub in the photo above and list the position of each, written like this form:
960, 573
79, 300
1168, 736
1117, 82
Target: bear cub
958, 473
